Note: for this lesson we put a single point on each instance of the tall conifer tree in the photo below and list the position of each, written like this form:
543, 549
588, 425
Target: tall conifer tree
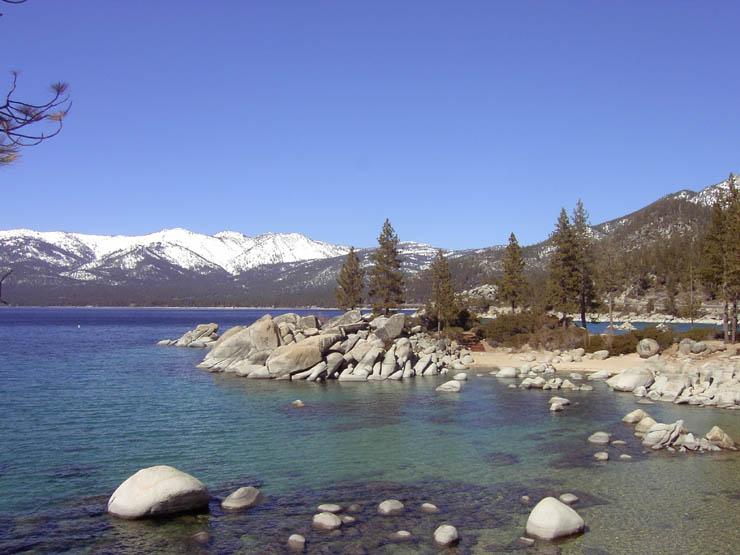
713, 269
386, 279
564, 283
350, 282
586, 262
733, 253
513, 285
443, 304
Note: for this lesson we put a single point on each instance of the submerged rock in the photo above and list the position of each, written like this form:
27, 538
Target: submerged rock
296, 543
446, 535
158, 490
600, 438
429, 508
453, 386
391, 507
241, 499
552, 519
568, 498
326, 521
400, 536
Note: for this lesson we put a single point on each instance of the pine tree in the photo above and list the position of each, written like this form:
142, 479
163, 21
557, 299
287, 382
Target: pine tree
586, 262
713, 269
443, 303
350, 282
386, 279
513, 284
610, 274
732, 250
564, 280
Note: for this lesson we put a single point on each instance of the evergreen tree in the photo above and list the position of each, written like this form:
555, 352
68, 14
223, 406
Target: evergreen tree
350, 282
443, 303
733, 253
386, 279
713, 269
513, 284
564, 279
610, 274
586, 262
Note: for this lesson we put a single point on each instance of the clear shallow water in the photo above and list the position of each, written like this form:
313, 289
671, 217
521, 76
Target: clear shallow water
83, 408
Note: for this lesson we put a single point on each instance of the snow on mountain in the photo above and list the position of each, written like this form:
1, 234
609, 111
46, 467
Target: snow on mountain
81, 254
707, 196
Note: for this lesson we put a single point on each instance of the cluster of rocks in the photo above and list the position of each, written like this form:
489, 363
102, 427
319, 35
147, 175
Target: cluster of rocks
331, 517
350, 347
548, 358
204, 335
713, 384
675, 437
541, 376
163, 490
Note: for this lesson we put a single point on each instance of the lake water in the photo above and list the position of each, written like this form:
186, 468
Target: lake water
82, 408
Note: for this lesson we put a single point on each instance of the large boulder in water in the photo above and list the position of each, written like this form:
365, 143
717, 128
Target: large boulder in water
158, 490
552, 519
647, 347
631, 378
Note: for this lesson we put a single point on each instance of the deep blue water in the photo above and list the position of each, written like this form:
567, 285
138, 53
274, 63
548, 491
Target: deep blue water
87, 399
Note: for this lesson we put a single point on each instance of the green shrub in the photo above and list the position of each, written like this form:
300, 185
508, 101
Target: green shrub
698, 334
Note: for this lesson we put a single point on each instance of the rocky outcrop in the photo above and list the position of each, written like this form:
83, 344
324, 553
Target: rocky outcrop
202, 336
350, 347
675, 437
713, 384
157, 491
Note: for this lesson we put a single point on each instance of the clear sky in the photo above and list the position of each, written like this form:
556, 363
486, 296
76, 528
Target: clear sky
459, 121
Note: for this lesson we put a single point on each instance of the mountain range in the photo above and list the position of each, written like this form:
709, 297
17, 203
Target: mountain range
180, 267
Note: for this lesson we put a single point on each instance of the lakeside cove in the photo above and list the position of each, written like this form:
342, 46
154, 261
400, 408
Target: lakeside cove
484, 456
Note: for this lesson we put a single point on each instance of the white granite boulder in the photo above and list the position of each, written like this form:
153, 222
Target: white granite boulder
552, 519
158, 490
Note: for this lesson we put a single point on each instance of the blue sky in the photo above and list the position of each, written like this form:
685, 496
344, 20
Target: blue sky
459, 121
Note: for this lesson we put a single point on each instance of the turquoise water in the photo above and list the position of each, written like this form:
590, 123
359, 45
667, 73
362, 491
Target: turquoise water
82, 408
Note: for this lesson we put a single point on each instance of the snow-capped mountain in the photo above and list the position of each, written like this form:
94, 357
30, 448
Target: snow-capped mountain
84, 257
179, 267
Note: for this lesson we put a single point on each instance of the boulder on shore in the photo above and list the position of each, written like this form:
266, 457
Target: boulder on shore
156, 491
647, 347
552, 519
629, 379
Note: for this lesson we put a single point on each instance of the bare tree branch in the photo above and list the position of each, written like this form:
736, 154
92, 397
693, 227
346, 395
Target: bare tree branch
24, 124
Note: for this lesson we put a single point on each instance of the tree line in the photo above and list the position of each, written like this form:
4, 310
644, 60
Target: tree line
582, 273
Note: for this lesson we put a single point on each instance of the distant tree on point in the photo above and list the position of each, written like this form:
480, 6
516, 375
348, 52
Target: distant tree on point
350, 282
564, 280
386, 287
443, 302
513, 283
